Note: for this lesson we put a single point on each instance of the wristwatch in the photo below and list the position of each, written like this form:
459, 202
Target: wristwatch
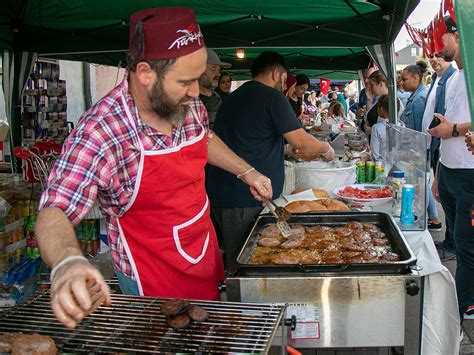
455, 131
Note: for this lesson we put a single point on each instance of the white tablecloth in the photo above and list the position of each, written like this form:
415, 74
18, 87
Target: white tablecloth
441, 323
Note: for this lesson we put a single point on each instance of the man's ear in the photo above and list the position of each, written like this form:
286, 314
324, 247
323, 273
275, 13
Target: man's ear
456, 36
275, 74
145, 73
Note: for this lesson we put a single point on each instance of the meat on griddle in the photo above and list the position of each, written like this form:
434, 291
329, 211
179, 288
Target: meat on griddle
198, 314
33, 344
6, 341
180, 313
174, 307
353, 243
179, 321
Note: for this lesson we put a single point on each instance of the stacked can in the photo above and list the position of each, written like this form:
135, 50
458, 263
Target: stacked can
32, 250
360, 165
88, 236
407, 215
369, 171
379, 173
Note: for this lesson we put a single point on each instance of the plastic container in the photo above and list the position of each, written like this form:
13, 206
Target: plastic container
398, 180
324, 175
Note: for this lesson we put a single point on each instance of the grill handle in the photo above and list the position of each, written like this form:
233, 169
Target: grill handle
412, 287
291, 322
305, 269
222, 286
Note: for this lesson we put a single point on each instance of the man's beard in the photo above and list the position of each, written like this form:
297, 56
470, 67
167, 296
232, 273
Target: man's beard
279, 85
163, 105
205, 82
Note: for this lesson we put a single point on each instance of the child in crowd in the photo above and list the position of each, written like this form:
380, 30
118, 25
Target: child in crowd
378, 142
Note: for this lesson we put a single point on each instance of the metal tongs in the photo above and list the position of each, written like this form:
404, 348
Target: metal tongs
282, 215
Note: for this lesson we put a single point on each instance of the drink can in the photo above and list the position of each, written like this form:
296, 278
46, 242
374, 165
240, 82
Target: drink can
379, 172
360, 165
369, 171
407, 214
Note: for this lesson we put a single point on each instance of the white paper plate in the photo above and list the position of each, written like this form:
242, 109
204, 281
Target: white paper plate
363, 201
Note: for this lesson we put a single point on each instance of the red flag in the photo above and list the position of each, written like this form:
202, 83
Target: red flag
439, 31
414, 35
324, 85
449, 7
430, 39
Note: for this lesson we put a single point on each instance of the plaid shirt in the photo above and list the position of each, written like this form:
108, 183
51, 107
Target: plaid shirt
100, 158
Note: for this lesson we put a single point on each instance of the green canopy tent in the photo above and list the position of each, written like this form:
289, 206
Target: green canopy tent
97, 31
331, 63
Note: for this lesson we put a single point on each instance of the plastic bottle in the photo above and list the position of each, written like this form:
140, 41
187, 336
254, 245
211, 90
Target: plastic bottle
398, 180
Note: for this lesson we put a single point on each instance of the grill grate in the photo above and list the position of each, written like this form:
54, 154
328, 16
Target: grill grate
136, 324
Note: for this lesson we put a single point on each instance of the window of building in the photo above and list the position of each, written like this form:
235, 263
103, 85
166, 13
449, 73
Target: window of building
414, 52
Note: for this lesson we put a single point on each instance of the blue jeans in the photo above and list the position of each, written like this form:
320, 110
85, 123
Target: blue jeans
456, 191
432, 210
127, 285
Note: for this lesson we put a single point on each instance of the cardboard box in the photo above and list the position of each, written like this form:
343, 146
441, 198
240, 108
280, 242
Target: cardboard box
3, 130
3, 138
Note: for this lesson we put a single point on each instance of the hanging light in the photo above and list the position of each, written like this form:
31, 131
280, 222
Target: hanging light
240, 53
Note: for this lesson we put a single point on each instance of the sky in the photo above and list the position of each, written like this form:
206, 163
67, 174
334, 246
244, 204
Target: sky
423, 14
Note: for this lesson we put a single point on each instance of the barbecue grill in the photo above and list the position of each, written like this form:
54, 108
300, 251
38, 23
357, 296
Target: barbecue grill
136, 324
338, 305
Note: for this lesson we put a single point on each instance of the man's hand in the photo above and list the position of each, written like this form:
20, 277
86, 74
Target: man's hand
470, 141
329, 155
444, 130
434, 190
260, 185
69, 294
299, 154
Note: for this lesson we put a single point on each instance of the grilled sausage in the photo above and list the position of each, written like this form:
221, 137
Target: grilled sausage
380, 242
391, 256
269, 242
270, 231
285, 259
198, 314
174, 307
292, 243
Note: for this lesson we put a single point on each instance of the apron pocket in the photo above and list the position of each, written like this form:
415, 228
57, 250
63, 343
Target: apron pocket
192, 237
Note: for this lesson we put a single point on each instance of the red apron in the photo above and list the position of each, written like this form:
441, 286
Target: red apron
166, 229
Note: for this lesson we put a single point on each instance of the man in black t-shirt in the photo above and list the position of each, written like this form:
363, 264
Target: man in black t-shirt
254, 121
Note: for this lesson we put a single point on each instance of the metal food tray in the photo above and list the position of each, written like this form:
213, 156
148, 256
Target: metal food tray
135, 324
382, 220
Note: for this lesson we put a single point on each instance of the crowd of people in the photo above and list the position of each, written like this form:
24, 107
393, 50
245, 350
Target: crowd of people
217, 155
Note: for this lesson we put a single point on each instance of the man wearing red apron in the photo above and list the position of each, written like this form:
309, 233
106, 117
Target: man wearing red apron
141, 150
167, 230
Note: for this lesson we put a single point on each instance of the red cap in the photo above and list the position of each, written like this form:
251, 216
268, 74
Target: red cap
290, 81
165, 32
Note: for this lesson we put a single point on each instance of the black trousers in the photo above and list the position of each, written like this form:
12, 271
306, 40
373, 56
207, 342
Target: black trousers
456, 192
232, 227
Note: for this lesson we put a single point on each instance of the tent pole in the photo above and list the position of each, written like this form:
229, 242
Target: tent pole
465, 18
392, 81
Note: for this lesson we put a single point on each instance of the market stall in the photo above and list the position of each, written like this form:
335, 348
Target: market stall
330, 303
